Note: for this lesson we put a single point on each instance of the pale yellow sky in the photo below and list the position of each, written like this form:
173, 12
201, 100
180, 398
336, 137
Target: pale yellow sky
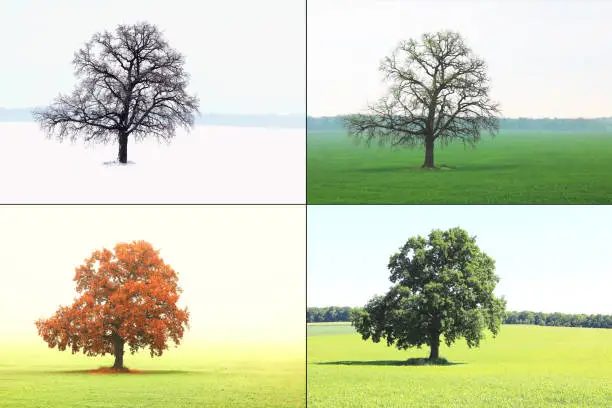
242, 268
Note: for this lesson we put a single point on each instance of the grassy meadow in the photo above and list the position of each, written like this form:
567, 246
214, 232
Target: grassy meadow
525, 366
196, 374
512, 168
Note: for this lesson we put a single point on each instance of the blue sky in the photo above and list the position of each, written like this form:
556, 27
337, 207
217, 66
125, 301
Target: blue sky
546, 58
243, 56
549, 258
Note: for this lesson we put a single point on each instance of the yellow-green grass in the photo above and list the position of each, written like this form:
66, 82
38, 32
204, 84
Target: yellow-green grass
525, 366
197, 374
513, 168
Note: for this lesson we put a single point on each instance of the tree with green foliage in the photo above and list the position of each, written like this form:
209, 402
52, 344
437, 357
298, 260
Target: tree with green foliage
439, 92
443, 287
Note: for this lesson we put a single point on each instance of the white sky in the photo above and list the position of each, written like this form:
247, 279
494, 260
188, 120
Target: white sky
242, 268
243, 56
546, 58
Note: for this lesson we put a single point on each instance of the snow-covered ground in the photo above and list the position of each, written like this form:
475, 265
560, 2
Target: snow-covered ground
209, 165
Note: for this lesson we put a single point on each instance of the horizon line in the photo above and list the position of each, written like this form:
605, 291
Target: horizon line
201, 113
500, 117
507, 310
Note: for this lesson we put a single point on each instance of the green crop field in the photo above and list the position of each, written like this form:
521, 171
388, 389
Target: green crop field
512, 168
196, 374
525, 366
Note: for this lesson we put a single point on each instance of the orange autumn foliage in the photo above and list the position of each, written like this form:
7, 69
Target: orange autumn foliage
128, 295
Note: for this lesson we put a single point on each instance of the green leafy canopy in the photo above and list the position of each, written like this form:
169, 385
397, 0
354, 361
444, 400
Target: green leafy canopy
443, 286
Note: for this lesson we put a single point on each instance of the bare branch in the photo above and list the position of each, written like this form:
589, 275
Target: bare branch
130, 82
438, 90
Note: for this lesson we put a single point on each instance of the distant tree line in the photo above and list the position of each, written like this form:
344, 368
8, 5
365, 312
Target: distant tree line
517, 124
329, 314
343, 314
293, 121
559, 319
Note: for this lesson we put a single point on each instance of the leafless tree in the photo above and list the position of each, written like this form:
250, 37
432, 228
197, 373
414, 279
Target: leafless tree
438, 92
131, 83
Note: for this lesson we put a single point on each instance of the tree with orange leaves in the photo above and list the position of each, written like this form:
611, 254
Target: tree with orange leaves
127, 297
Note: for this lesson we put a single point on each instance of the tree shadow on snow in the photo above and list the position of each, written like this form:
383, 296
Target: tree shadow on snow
115, 163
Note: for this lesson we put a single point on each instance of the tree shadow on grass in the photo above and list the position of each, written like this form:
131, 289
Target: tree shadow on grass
402, 168
488, 167
441, 168
409, 362
104, 371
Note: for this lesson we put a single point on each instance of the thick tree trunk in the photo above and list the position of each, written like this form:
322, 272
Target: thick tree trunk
118, 344
123, 143
429, 153
435, 347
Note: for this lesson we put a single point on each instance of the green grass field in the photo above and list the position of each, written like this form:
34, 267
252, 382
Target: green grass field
525, 366
512, 168
193, 375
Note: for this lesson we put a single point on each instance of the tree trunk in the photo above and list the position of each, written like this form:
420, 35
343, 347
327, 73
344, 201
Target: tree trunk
118, 344
123, 142
429, 153
435, 347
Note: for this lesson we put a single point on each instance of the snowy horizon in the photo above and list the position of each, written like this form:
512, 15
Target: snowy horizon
271, 120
